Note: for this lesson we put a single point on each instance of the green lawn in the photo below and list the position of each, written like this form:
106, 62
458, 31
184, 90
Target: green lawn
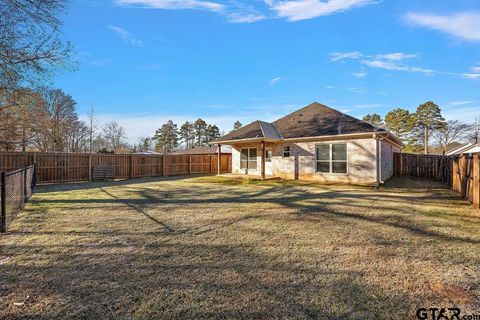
214, 247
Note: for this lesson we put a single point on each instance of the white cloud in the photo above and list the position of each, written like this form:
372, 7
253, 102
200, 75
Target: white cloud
460, 102
360, 74
466, 114
126, 36
396, 56
235, 13
388, 61
389, 65
238, 17
474, 73
337, 56
330, 87
462, 25
175, 4
295, 10
276, 79
356, 90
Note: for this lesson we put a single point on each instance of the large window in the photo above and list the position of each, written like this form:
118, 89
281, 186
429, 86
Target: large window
248, 158
331, 157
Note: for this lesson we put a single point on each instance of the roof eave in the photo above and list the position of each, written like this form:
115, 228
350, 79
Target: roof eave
246, 140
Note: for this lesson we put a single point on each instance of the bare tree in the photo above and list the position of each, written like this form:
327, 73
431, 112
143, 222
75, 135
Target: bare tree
16, 125
144, 144
92, 123
114, 136
452, 131
77, 137
54, 117
474, 132
31, 45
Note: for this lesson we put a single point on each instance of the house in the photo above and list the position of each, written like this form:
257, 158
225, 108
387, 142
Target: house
314, 143
464, 148
444, 149
203, 150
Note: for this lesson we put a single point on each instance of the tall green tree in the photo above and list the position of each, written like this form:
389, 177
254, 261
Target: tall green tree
200, 129
237, 125
428, 118
400, 122
187, 134
167, 137
374, 119
212, 133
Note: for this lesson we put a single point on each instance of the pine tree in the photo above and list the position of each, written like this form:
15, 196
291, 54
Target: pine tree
200, 128
187, 134
212, 133
400, 122
167, 137
373, 119
237, 125
428, 118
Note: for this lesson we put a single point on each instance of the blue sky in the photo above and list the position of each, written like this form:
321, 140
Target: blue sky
142, 62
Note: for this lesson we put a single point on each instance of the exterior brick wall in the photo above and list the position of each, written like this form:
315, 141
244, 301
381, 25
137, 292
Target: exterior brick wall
361, 156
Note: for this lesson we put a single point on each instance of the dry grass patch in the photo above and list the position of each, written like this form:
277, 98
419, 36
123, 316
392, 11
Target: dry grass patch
213, 247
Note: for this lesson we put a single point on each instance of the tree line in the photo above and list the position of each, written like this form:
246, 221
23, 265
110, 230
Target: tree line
170, 137
418, 129
46, 120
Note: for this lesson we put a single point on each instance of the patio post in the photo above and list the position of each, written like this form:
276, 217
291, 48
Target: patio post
219, 159
263, 161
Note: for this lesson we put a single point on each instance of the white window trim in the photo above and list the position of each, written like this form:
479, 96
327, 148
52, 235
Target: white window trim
330, 161
248, 159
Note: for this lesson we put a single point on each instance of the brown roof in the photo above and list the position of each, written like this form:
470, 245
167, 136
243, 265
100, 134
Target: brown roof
201, 150
311, 121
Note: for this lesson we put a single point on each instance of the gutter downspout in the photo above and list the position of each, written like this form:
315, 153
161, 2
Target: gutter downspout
379, 158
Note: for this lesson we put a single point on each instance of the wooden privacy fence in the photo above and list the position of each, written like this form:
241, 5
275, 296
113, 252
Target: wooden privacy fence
70, 167
462, 173
434, 167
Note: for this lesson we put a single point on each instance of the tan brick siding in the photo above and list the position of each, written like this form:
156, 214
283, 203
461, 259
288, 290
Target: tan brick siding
361, 156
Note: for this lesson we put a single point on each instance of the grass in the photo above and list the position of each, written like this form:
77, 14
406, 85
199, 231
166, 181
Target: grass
214, 247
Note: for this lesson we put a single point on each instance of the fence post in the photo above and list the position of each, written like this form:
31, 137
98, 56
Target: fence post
189, 164
3, 209
90, 166
476, 180
418, 166
131, 167
35, 164
25, 184
164, 165
454, 174
462, 175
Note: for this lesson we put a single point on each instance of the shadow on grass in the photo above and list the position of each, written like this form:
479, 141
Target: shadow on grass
330, 202
200, 272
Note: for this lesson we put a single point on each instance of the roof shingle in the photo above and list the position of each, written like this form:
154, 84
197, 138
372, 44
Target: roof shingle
311, 121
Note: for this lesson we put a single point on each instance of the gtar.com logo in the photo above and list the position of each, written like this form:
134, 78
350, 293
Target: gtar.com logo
444, 314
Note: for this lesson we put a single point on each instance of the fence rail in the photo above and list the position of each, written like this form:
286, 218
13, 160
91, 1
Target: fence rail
70, 167
16, 188
459, 172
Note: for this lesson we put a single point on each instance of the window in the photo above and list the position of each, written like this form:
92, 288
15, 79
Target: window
248, 158
286, 151
268, 155
244, 159
252, 158
331, 158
